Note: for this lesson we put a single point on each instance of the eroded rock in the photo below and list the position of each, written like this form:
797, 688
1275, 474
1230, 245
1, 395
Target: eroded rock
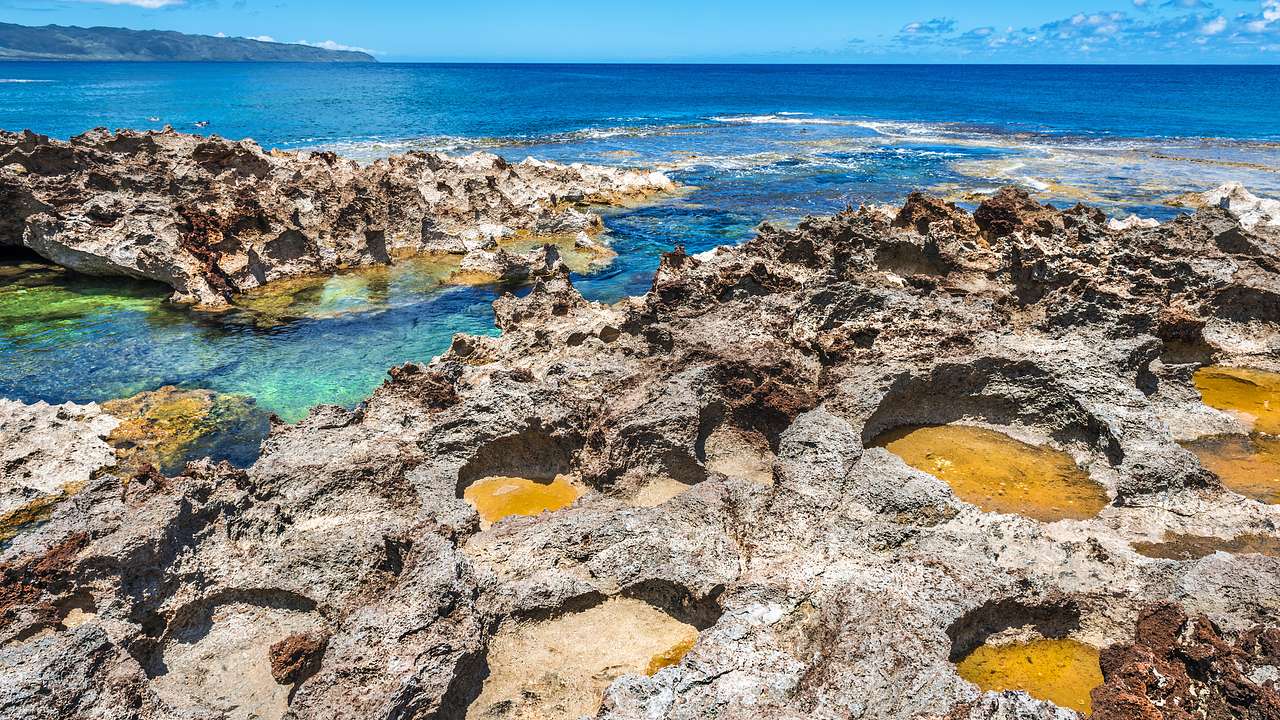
211, 217
1179, 666
720, 431
46, 453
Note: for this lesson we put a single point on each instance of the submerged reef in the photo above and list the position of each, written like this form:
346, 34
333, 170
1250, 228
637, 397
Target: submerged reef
734, 539
212, 218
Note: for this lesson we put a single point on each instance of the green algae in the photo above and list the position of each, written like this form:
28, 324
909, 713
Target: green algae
289, 347
38, 299
357, 290
164, 428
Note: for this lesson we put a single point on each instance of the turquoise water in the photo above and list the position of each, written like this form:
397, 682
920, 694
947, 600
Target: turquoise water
756, 142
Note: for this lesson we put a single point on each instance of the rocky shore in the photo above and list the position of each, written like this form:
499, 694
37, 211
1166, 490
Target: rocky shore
212, 218
733, 499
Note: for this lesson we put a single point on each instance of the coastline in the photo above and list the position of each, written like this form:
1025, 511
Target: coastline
868, 320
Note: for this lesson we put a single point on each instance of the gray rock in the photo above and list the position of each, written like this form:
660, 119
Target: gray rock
211, 217
720, 429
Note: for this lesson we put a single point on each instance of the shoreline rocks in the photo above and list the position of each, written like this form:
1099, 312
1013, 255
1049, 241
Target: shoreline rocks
212, 218
47, 452
722, 427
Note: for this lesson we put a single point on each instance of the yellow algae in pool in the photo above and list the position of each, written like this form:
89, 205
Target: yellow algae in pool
560, 667
498, 497
1254, 395
1062, 672
998, 473
1248, 465
1191, 547
672, 655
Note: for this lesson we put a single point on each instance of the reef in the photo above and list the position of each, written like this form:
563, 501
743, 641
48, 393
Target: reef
735, 520
212, 218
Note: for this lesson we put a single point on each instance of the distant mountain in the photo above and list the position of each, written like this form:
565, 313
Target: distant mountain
56, 42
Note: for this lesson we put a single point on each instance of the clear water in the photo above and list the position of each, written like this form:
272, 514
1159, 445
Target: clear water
757, 142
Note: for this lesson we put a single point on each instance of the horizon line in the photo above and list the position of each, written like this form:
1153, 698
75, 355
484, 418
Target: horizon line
685, 63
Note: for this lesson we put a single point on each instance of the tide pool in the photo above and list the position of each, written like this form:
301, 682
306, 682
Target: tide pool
750, 143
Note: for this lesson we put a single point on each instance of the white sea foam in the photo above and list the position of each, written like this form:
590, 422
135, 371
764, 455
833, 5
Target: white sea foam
21, 81
780, 119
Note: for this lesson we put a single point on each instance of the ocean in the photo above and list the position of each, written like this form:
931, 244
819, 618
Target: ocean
754, 142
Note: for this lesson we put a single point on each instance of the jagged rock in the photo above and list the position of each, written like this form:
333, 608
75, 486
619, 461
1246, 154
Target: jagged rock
1178, 667
927, 214
1251, 210
211, 218
495, 264
722, 429
1013, 210
47, 452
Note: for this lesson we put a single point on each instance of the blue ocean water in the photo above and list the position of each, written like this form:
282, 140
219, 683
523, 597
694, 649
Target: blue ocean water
297, 104
756, 142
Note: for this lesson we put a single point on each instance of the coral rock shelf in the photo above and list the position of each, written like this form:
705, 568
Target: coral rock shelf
742, 543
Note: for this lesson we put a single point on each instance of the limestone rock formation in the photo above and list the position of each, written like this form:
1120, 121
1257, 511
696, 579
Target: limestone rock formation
1250, 209
211, 217
723, 429
47, 452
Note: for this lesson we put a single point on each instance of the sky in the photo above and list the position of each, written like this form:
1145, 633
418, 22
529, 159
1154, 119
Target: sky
1000, 31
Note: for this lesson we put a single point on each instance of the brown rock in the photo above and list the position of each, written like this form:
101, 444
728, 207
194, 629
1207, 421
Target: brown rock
1013, 210
1180, 668
926, 215
297, 657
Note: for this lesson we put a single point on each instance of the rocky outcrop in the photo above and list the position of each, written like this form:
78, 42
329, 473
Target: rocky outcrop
211, 217
1182, 667
721, 428
1252, 211
46, 453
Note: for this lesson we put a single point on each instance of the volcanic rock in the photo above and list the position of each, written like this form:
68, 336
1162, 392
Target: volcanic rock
211, 217
1182, 667
722, 426
46, 452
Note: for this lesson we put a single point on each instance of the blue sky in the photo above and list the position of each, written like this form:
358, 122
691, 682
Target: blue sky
1179, 31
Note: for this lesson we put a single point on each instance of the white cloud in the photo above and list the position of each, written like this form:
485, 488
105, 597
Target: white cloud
331, 45
1214, 26
220, 34
149, 4
262, 38
1270, 14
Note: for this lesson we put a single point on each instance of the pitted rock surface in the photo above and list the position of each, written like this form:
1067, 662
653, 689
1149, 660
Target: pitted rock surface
842, 585
211, 217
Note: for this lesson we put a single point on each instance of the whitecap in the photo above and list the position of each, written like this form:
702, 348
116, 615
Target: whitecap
21, 81
779, 119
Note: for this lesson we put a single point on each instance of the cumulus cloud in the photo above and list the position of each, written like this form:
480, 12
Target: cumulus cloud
149, 4
1266, 20
1214, 26
1155, 30
262, 38
331, 45
936, 26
